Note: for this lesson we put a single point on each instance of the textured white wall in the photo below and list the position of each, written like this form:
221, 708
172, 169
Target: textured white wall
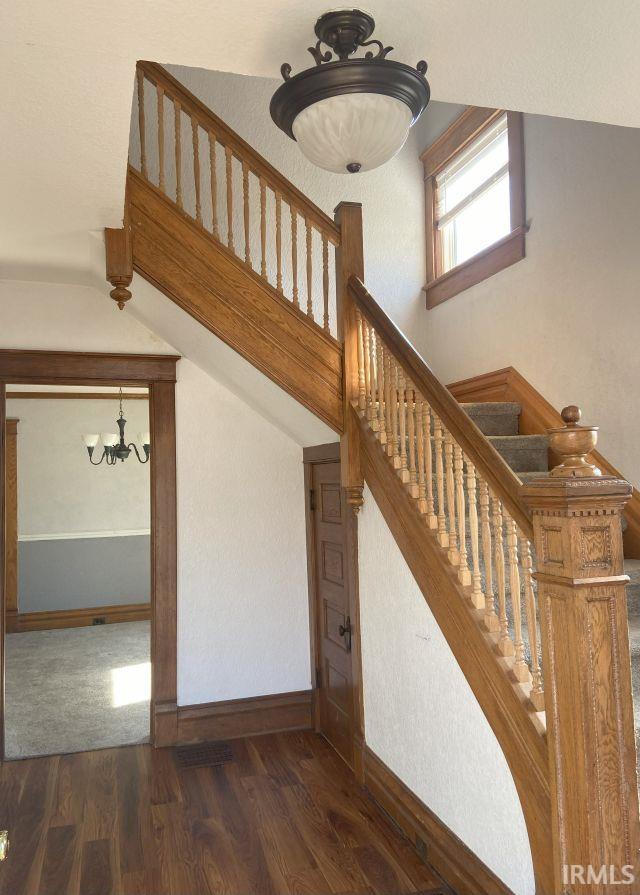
242, 590
567, 316
243, 610
422, 718
59, 492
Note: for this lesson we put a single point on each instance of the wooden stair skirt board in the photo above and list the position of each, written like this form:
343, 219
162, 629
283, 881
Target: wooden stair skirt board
223, 294
459, 867
78, 618
236, 718
536, 417
523, 745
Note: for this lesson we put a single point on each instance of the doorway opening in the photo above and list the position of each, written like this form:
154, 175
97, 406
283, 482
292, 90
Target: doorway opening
78, 570
150, 600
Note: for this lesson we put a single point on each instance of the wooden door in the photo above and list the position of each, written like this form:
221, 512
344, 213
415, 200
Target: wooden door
330, 607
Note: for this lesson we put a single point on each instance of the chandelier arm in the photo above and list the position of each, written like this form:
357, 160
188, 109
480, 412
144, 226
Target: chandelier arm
93, 462
146, 460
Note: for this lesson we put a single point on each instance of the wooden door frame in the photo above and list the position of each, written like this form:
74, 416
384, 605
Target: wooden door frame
312, 456
158, 374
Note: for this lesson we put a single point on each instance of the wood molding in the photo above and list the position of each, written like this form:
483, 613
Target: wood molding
158, 373
234, 718
537, 416
440, 285
11, 523
82, 396
436, 843
485, 264
227, 297
505, 708
84, 368
3, 540
79, 618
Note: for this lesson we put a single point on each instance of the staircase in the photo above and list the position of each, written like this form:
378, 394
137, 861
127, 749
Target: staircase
528, 456
228, 239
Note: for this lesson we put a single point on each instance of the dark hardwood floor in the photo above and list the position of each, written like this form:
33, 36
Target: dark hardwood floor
285, 816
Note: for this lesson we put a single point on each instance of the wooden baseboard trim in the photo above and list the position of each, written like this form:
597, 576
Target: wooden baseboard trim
78, 618
253, 716
448, 855
537, 416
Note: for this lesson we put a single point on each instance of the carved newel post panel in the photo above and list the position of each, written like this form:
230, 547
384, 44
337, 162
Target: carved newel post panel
585, 644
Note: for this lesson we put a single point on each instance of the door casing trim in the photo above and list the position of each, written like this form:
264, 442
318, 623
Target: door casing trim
158, 373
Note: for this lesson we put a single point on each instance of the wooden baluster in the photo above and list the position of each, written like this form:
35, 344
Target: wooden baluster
382, 426
247, 223
362, 326
214, 185
438, 437
432, 519
387, 401
395, 447
160, 100
490, 616
372, 410
464, 575
229, 173
411, 438
477, 597
279, 243
520, 667
537, 690
420, 460
196, 166
294, 255
263, 229
366, 349
177, 132
309, 271
454, 556
505, 644
325, 281
401, 464
141, 124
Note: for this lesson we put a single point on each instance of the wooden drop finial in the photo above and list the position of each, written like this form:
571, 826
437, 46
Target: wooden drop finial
119, 261
574, 443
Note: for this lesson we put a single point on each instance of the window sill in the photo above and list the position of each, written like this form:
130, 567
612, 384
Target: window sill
482, 266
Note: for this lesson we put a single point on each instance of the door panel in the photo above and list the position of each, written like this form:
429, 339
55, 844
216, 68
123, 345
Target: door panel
335, 692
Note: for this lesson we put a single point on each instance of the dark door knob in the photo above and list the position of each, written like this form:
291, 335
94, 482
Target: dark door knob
345, 631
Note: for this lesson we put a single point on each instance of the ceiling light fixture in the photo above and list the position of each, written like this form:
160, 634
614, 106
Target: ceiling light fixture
350, 114
116, 448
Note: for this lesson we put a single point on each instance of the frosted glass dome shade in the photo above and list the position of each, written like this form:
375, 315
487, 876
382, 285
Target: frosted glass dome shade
352, 132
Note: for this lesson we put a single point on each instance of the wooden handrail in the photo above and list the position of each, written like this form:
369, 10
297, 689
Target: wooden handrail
190, 104
480, 451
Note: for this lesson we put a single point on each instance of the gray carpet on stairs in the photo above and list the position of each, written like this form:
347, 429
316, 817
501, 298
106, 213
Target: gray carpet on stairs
76, 689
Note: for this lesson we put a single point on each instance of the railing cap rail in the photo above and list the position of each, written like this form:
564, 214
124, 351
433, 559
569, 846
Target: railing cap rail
159, 76
491, 466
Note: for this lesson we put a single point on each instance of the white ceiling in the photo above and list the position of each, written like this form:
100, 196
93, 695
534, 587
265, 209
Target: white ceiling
67, 73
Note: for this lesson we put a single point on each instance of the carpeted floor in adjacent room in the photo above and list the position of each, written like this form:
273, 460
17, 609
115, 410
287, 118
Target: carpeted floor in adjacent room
76, 689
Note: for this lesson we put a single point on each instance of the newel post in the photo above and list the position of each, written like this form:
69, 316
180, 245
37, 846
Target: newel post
119, 263
586, 662
350, 261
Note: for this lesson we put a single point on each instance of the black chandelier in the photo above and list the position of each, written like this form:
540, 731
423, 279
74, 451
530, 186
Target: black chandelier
350, 114
116, 448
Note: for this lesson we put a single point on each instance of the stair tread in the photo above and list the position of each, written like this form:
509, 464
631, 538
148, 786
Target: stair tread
520, 442
493, 407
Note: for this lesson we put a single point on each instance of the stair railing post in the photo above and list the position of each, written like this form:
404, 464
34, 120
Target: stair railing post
350, 262
586, 664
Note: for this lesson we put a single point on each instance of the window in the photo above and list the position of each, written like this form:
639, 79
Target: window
474, 176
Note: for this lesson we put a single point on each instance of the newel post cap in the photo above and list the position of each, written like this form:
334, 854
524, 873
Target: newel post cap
575, 495
573, 443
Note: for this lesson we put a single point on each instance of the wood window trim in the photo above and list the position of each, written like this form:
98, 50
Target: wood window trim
511, 248
158, 374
